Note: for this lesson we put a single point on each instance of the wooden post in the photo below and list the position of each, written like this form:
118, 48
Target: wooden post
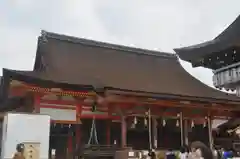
185, 127
210, 132
150, 129
78, 127
37, 102
181, 129
70, 142
78, 137
155, 132
108, 132
123, 132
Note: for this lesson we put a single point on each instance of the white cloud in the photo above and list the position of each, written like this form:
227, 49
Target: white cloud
162, 24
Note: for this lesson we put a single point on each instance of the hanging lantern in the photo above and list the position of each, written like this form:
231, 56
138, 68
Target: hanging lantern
177, 123
205, 123
145, 122
69, 126
135, 120
192, 124
164, 122
115, 142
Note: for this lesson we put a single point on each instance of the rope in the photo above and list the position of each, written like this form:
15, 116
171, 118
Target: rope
93, 132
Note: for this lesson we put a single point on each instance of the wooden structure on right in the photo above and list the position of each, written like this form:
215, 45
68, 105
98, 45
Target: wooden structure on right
222, 55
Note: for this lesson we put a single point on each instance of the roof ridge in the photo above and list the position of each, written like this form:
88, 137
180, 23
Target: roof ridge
72, 39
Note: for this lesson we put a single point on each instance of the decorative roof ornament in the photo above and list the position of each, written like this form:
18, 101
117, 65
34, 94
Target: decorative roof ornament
44, 36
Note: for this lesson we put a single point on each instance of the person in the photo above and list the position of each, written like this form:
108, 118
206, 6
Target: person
227, 154
200, 151
170, 154
183, 153
20, 151
196, 153
216, 154
152, 154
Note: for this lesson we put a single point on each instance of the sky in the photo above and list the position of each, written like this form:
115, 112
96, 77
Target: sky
151, 24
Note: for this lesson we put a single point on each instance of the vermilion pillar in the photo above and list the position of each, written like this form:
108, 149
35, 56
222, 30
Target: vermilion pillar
70, 142
37, 101
78, 126
123, 132
185, 128
78, 135
108, 132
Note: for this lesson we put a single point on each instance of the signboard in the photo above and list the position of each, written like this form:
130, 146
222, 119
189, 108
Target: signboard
64, 113
60, 114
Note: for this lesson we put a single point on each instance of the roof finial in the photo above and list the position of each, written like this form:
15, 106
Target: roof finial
44, 36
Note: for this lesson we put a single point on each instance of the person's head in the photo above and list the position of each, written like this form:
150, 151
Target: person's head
20, 147
193, 149
182, 149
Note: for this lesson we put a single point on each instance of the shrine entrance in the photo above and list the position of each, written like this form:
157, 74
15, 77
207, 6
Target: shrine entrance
138, 133
169, 132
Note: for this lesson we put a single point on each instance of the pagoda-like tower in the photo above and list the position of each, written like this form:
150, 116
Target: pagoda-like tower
222, 55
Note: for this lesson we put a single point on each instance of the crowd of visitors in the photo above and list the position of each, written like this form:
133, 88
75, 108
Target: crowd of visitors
198, 150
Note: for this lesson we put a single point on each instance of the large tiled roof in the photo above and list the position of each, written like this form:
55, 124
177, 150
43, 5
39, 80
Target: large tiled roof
78, 62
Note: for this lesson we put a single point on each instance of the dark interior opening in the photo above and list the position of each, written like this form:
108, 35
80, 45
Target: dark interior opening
199, 133
138, 133
169, 134
116, 133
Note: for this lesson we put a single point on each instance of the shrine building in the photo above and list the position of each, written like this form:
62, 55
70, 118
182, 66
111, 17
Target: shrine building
129, 93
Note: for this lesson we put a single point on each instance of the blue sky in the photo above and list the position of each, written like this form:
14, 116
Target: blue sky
151, 24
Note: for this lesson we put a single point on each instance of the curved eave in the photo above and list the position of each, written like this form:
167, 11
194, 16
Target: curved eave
230, 37
194, 53
32, 78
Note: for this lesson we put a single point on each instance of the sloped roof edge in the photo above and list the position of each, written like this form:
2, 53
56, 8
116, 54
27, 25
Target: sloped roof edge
35, 79
228, 38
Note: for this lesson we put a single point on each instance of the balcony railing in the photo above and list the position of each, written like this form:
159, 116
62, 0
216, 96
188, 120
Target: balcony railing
226, 77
